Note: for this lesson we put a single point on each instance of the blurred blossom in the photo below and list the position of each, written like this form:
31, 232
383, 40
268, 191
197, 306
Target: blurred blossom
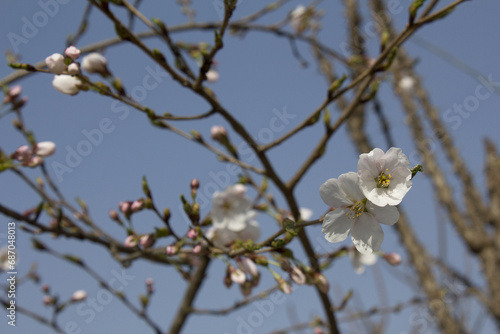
393, 258
406, 83
95, 63
73, 69
147, 240
79, 296
72, 52
124, 206
130, 241
237, 275
212, 76
230, 208
297, 275
137, 205
218, 132
55, 63
247, 265
113, 214
192, 234
171, 250
359, 260
45, 148
66, 84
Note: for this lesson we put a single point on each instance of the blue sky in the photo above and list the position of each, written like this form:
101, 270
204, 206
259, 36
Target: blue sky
259, 78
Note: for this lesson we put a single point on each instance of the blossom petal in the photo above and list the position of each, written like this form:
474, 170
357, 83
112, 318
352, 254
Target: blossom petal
336, 225
250, 232
387, 215
349, 183
366, 234
332, 194
369, 188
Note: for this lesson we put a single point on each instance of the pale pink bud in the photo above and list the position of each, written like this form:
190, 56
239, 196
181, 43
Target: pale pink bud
95, 63
192, 234
285, 287
147, 240
35, 161
47, 300
197, 249
318, 330
73, 69
72, 52
218, 132
237, 276
66, 84
297, 275
322, 283
130, 241
124, 206
149, 285
79, 296
137, 205
247, 265
212, 76
55, 63
239, 189
22, 154
393, 258
113, 214
171, 250
45, 148
195, 184
406, 83
45, 288
15, 91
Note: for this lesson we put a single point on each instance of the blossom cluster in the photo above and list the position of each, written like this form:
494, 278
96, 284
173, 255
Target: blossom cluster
364, 200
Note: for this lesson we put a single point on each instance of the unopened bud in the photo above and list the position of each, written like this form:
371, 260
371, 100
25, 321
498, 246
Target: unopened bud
393, 258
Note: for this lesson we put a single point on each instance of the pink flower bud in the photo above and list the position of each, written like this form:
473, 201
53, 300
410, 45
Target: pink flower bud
137, 205
149, 285
66, 84
285, 287
35, 161
22, 154
192, 234
321, 282
212, 76
47, 300
197, 249
79, 296
149, 281
393, 258
195, 184
45, 148
73, 69
247, 265
171, 250
15, 91
113, 214
72, 52
297, 275
218, 132
130, 241
55, 63
318, 330
147, 240
124, 206
95, 63
237, 276
45, 288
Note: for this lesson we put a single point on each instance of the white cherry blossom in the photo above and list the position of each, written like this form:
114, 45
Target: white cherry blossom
230, 208
354, 214
384, 178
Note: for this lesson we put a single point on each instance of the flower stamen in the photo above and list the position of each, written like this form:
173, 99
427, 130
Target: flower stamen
356, 209
384, 179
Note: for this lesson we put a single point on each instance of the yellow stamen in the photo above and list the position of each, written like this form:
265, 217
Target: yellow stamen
384, 179
356, 209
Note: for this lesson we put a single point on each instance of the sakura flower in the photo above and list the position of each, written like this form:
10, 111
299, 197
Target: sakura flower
354, 214
359, 260
95, 63
230, 207
66, 84
45, 148
72, 52
384, 178
55, 63
79, 295
222, 236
